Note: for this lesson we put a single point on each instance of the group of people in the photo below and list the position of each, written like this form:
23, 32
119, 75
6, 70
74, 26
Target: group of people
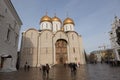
73, 67
45, 69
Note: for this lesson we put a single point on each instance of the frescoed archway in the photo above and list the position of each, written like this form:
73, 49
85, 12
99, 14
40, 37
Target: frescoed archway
61, 51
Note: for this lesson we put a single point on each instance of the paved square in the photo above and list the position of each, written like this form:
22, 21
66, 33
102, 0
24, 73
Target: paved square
59, 72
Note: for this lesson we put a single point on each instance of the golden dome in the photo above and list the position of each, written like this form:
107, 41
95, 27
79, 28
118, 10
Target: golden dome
46, 18
68, 21
56, 19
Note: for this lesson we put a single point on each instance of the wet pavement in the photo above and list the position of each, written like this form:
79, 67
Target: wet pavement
59, 72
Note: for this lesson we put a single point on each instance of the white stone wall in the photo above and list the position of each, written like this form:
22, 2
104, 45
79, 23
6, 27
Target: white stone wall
46, 25
56, 26
9, 21
76, 48
68, 27
81, 48
46, 47
113, 37
30, 49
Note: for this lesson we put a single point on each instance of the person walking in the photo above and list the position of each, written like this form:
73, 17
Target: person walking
44, 70
47, 69
74, 66
25, 66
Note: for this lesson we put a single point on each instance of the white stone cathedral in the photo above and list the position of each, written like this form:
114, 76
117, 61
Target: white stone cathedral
54, 43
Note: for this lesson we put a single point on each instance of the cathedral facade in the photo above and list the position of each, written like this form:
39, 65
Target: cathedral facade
55, 43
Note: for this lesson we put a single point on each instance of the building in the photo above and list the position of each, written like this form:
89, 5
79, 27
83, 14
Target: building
10, 25
104, 55
54, 43
97, 54
114, 38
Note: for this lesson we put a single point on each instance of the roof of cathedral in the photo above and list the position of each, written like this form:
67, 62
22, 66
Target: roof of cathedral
55, 18
68, 21
46, 18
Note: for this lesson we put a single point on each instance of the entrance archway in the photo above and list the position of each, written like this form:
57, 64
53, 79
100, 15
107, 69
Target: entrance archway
3, 59
61, 51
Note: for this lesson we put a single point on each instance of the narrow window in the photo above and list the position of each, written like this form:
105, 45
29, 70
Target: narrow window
42, 26
74, 50
8, 35
70, 27
66, 28
16, 40
56, 27
6, 10
46, 26
46, 50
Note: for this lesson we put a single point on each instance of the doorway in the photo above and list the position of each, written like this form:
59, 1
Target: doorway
61, 51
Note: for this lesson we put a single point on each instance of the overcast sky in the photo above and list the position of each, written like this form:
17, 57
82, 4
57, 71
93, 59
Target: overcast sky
93, 18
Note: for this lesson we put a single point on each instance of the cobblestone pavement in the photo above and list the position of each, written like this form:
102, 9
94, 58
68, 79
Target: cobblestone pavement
59, 72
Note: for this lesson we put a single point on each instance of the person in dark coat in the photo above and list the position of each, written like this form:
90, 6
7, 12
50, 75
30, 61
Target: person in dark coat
44, 70
47, 69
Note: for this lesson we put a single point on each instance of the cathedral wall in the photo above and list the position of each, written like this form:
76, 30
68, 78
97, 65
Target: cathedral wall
74, 48
68, 27
56, 26
82, 55
46, 47
46, 25
29, 48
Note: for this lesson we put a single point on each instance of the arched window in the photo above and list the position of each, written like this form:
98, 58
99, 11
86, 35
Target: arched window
73, 50
56, 27
46, 25
70, 27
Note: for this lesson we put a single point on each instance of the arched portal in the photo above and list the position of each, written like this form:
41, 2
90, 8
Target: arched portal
61, 51
5, 60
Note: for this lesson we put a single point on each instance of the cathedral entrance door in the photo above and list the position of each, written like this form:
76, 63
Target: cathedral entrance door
61, 51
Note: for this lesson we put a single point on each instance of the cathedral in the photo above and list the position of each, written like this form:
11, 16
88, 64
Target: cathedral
55, 43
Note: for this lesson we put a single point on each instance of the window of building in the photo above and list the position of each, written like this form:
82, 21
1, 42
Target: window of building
46, 50
41, 26
46, 25
16, 39
56, 27
74, 50
66, 28
8, 35
70, 27
6, 10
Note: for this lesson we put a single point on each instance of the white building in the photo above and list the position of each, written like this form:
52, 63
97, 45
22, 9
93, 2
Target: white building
10, 25
98, 54
54, 43
113, 38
